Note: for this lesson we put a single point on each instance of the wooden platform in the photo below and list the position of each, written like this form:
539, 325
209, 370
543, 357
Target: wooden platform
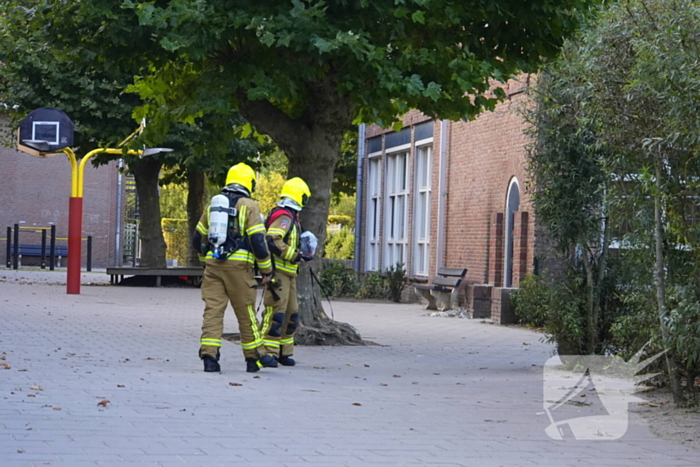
117, 274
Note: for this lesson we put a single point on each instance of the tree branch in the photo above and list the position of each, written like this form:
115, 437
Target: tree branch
270, 119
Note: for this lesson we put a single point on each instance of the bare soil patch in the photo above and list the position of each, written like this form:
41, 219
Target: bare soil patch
679, 425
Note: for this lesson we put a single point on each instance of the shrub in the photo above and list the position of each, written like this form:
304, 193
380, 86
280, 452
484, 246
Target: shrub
556, 306
684, 329
396, 281
339, 280
374, 286
531, 301
566, 324
340, 245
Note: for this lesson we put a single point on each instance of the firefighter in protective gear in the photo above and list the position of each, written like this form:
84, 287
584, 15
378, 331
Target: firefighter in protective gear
230, 276
281, 316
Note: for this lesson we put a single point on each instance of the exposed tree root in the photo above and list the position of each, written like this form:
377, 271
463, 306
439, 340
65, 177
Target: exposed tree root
323, 333
329, 333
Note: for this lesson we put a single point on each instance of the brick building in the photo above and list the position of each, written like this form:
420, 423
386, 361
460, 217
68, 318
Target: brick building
34, 192
451, 194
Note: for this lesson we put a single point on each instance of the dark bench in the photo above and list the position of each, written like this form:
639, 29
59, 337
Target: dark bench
60, 251
194, 274
35, 250
443, 289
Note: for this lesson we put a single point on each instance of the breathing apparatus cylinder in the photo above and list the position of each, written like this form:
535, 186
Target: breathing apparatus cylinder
218, 223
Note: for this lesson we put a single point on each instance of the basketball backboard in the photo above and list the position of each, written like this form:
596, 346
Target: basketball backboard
44, 132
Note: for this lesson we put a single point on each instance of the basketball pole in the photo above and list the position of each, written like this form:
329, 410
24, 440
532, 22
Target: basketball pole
75, 213
47, 131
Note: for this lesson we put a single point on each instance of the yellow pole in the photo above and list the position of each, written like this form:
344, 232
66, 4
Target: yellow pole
73, 171
83, 161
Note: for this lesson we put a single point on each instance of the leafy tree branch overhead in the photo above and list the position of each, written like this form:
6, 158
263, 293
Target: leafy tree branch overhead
304, 71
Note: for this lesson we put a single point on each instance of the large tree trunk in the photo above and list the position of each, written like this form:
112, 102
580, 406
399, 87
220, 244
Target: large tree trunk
312, 145
195, 207
146, 173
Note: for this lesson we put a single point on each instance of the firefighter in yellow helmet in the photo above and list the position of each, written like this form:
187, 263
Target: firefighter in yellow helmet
281, 317
230, 237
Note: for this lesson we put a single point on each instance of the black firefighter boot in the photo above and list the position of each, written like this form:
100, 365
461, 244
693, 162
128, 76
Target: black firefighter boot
252, 365
268, 361
210, 364
286, 360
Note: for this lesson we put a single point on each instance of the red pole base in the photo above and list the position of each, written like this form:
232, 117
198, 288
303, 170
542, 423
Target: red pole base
75, 230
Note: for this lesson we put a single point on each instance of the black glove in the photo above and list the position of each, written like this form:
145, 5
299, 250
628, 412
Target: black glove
204, 248
301, 257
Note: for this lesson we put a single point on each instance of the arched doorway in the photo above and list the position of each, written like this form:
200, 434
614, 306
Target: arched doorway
512, 205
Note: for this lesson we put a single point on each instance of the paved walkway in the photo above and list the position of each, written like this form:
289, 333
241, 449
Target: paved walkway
438, 392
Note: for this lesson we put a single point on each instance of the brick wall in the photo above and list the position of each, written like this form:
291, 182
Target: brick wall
495, 249
485, 155
521, 260
483, 158
37, 190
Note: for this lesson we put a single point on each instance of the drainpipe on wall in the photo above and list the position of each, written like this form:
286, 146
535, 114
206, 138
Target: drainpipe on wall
358, 190
442, 189
117, 240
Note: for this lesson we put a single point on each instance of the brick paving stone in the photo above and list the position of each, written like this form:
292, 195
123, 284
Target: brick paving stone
437, 391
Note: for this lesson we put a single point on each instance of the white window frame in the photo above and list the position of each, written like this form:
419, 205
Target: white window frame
508, 253
421, 207
374, 211
397, 191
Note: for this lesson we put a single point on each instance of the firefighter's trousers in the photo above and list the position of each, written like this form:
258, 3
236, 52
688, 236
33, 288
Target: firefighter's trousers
281, 317
234, 283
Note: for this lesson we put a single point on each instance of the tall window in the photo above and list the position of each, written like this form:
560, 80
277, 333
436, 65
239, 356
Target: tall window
373, 212
421, 218
395, 219
512, 205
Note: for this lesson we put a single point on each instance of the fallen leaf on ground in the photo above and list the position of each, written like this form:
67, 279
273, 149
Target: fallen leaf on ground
357, 404
57, 408
320, 367
397, 376
436, 374
36, 388
383, 384
526, 343
366, 365
120, 385
5, 366
3, 358
256, 377
20, 450
103, 402
235, 384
